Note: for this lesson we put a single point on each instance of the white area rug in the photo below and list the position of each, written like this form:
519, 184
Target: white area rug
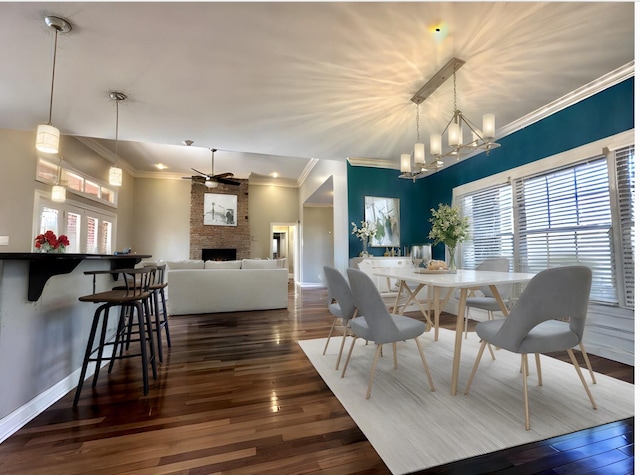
413, 428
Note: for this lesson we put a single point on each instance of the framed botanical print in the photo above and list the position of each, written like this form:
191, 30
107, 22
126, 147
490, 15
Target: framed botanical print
385, 214
220, 210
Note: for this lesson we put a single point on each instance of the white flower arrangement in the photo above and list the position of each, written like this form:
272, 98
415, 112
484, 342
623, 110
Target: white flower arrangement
448, 226
365, 230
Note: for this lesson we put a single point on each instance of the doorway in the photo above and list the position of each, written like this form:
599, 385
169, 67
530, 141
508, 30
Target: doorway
284, 238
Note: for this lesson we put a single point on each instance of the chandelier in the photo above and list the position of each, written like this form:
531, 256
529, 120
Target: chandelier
454, 130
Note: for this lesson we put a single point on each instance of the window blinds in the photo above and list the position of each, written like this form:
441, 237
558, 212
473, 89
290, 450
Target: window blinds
490, 216
577, 214
626, 178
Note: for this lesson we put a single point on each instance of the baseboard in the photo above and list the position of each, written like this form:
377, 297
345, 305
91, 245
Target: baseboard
13, 422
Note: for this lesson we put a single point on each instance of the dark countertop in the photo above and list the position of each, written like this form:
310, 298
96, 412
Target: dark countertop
43, 265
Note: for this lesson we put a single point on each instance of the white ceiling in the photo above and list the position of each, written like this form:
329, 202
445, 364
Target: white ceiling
273, 85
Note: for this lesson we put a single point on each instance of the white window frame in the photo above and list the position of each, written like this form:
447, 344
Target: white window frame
65, 167
43, 199
606, 146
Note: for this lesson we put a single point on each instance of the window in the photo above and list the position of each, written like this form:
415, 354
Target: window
76, 182
89, 230
578, 211
563, 218
490, 223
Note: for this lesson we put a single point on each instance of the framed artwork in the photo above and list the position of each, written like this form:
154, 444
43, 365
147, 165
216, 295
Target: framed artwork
385, 213
220, 210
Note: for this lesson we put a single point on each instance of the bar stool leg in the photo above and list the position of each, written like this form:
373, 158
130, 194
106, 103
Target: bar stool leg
166, 317
87, 354
155, 307
103, 335
147, 319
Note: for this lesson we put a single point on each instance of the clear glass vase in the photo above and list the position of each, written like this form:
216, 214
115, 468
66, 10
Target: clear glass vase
365, 246
452, 260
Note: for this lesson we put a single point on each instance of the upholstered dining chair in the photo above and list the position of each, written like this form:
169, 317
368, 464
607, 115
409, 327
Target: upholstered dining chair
340, 305
378, 325
483, 298
535, 324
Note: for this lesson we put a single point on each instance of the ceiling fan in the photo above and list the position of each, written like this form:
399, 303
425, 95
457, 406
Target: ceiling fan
212, 181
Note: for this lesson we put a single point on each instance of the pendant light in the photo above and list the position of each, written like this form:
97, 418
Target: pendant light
115, 172
59, 192
47, 136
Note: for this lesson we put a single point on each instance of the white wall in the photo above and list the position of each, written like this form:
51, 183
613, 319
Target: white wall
269, 204
317, 243
161, 213
321, 172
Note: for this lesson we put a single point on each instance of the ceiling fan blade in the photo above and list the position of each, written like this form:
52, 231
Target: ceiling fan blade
197, 171
223, 175
227, 181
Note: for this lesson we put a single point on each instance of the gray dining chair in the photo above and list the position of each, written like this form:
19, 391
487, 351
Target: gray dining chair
535, 324
378, 325
341, 306
483, 298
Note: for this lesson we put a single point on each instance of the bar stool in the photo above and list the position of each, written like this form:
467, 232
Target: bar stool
159, 320
157, 288
132, 301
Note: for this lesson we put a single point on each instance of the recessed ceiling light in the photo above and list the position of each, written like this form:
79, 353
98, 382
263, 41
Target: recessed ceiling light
188, 142
161, 166
274, 174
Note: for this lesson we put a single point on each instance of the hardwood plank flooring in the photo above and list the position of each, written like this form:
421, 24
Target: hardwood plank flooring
236, 395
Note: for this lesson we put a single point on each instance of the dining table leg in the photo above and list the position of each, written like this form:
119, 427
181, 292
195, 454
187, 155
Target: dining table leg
457, 349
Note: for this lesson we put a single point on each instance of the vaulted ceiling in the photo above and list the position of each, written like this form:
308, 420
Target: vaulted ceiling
274, 85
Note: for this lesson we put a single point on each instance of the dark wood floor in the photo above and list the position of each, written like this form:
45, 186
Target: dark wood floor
236, 395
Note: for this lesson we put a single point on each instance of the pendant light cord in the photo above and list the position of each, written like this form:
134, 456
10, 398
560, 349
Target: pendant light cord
53, 72
117, 119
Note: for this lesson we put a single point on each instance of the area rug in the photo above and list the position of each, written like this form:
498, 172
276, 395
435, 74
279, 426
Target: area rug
413, 428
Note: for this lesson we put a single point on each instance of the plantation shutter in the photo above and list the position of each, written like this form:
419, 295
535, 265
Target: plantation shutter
564, 218
625, 178
490, 214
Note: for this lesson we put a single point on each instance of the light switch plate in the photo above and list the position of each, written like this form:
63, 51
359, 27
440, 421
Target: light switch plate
4, 240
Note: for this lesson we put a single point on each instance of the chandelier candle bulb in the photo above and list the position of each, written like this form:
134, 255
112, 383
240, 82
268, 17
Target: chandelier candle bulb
455, 135
405, 163
418, 154
436, 144
489, 126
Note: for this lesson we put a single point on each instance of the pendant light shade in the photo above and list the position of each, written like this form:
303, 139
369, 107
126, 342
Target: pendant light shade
115, 172
47, 136
436, 144
58, 193
115, 176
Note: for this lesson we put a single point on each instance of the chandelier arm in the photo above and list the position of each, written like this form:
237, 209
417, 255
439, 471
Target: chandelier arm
474, 129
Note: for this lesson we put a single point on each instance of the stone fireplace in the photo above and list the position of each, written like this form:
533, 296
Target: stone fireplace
205, 237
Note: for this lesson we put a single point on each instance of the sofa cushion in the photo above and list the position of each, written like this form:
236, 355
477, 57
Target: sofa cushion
186, 264
223, 264
259, 264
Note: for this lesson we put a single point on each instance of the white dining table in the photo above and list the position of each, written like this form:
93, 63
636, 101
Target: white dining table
438, 282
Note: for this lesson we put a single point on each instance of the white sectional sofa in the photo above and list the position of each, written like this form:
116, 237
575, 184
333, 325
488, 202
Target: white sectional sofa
196, 286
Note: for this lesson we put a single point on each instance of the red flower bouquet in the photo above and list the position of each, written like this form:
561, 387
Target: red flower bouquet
48, 242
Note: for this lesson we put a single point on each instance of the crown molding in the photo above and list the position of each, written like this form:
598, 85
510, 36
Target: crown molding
594, 87
373, 162
105, 153
307, 170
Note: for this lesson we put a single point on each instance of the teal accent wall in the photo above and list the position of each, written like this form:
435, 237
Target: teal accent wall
604, 114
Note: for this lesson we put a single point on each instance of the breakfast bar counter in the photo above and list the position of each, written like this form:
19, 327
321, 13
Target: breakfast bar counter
43, 265
44, 327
